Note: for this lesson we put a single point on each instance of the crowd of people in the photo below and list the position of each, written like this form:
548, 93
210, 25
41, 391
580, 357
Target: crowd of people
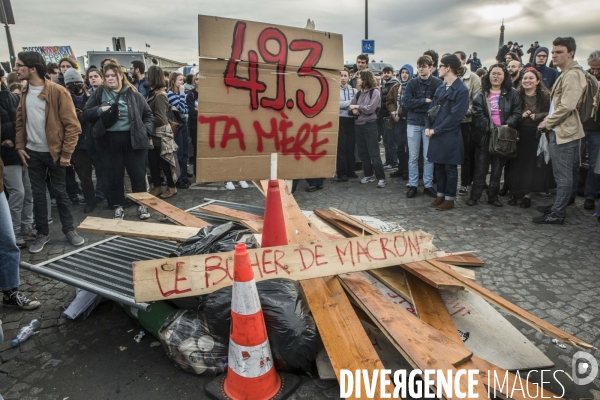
533, 124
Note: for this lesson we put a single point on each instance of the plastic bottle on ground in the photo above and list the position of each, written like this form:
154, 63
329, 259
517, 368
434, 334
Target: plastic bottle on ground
25, 332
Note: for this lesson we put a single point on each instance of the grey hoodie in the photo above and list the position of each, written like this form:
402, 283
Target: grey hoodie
346, 96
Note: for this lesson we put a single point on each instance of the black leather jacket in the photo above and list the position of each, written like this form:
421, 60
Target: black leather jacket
8, 116
140, 114
510, 110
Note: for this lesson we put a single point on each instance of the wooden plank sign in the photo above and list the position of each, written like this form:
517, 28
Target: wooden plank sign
265, 89
202, 274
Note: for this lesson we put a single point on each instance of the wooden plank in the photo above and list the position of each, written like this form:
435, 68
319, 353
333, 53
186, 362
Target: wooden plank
393, 278
420, 344
146, 230
417, 340
510, 349
330, 217
428, 305
229, 213
365, 228
423, 271
518, 312
484, 325
171, 212
432, 276
467, 273
345, 341
254, 226
466, 260
430, 308
202, 274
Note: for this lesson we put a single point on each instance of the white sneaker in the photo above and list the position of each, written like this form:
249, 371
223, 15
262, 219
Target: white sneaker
368, 179
143, 212
229, 186
119, 213
243, 184
381, 183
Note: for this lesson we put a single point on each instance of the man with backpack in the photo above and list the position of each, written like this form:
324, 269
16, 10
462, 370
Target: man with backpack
564, 128
417, 98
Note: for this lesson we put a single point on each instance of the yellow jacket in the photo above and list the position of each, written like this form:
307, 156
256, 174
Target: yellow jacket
566, 93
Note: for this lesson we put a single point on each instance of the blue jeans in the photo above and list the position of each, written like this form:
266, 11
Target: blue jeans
592, 183
183, 150
447, 179
564, 158
415, 134
9, 252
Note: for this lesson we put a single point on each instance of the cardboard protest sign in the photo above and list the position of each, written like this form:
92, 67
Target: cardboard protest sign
53, 54
266, 89
203, 274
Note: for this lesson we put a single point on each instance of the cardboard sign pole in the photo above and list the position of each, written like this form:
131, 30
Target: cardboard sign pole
273, 166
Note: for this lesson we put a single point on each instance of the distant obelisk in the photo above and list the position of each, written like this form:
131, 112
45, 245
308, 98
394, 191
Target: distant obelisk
501, 41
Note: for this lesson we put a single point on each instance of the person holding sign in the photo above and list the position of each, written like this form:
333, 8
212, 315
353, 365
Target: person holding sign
365, 107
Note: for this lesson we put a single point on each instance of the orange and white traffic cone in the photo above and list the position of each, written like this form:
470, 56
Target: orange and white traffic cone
274, 233
251, 373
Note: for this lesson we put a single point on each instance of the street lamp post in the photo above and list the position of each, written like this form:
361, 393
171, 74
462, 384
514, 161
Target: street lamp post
7, 17
366, 19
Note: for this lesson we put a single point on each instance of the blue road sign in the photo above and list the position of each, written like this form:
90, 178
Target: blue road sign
368, 47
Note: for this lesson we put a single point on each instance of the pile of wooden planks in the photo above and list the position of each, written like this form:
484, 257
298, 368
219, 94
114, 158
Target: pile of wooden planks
430, 313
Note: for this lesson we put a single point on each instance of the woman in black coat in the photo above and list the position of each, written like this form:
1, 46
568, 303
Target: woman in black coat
497, 95
124, 144
446, 149
526, 173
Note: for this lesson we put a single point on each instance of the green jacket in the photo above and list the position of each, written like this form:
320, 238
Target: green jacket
566, 94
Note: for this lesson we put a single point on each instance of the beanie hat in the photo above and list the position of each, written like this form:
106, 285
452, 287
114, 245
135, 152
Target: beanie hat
72, 76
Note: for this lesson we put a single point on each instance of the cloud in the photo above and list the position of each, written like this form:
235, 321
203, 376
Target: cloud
402, 31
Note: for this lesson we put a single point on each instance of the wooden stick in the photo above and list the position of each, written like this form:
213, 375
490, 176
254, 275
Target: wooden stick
528, 318
146, 230
171, 212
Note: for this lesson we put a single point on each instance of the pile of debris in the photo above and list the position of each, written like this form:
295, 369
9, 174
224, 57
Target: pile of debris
428, 313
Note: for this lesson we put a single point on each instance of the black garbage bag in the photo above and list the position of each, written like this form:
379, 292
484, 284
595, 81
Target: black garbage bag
291, 328
216, 239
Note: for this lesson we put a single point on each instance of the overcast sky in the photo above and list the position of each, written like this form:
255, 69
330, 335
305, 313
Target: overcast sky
402, 29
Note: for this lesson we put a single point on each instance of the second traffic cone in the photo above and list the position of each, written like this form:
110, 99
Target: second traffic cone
274, 233
251, 374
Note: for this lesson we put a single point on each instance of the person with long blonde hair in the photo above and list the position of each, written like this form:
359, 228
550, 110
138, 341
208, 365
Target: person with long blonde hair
123, 135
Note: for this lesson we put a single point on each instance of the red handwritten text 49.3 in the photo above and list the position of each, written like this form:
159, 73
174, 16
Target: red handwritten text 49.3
255, 86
